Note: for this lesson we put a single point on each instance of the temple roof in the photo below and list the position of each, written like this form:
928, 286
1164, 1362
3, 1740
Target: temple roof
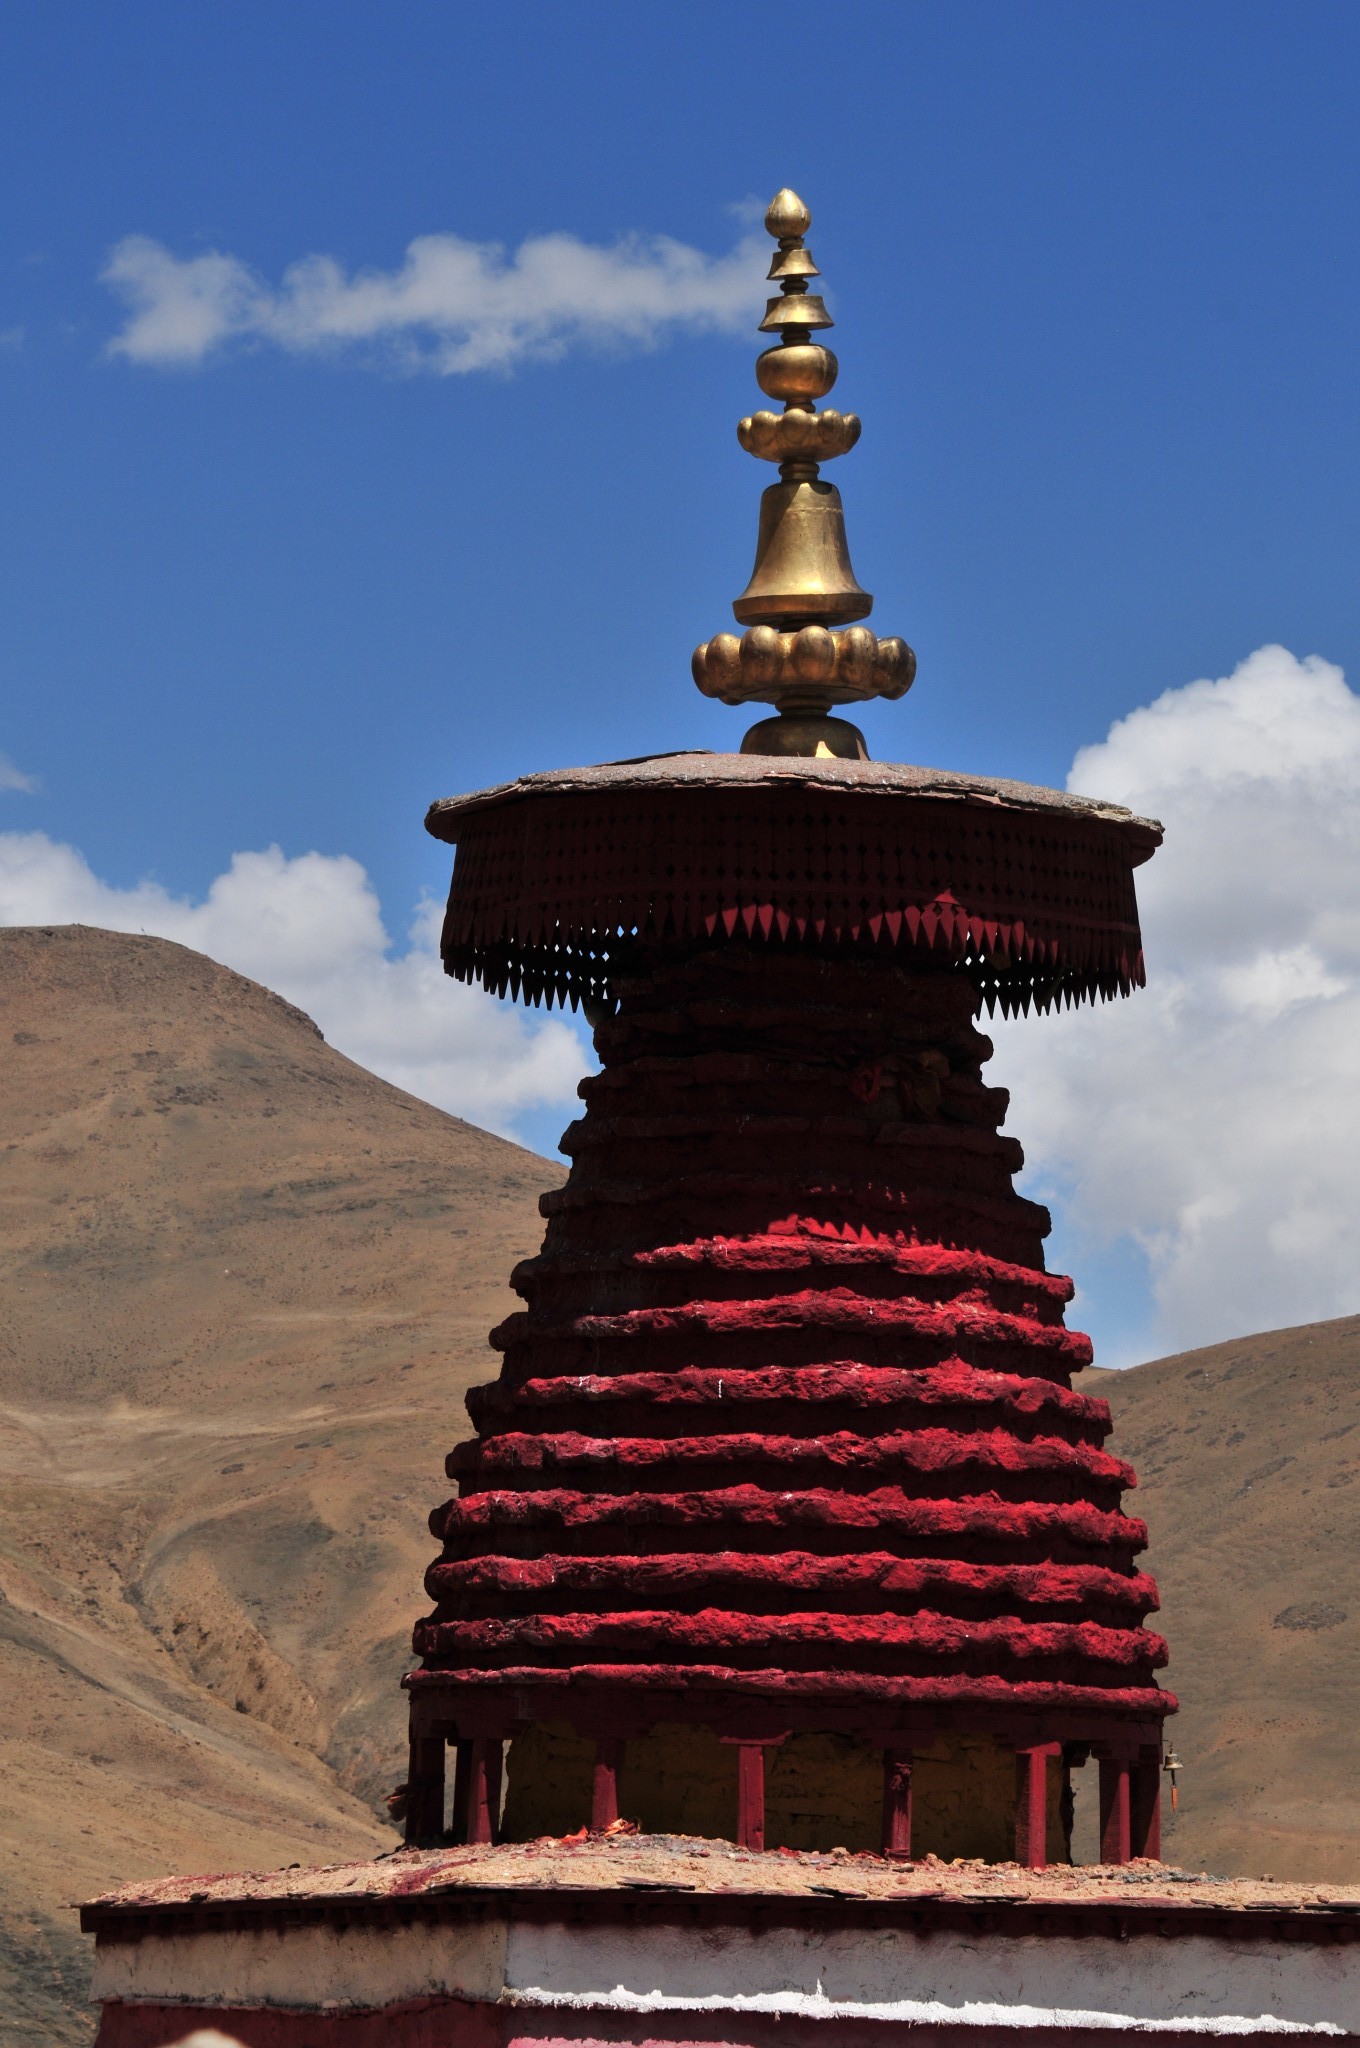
699, 769
559, 875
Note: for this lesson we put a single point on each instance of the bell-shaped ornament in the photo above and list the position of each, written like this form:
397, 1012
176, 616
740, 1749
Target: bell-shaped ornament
802, 573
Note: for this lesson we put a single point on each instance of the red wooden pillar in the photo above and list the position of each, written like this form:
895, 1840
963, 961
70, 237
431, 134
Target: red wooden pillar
462, 1783
751, 1795
1146, 1805
897, 1804
604, 1790
425, 1790
1031, 1803
1114, 1809
484, 1792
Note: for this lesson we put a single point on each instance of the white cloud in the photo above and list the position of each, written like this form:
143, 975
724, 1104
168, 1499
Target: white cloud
312, 929
1214, 1118
450, 307
14, 778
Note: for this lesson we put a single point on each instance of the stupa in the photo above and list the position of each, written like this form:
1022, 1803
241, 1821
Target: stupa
784, 1484
783, 1527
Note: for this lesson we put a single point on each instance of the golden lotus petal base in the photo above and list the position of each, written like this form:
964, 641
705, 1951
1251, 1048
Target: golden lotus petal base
806, 671
798, 436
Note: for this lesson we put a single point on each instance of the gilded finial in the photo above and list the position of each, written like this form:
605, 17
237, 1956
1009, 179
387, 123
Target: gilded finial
786, 216
802, 584
800, 370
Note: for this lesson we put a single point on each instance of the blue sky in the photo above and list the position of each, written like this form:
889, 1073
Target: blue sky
1094, 274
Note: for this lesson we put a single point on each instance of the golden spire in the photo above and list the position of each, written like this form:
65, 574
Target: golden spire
802, 583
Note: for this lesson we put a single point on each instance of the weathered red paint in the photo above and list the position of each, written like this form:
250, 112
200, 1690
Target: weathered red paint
897, 1776
428, 2023
484, 1794
425, 1788
751, 1795
1145, 1812
604, 1791
1115, 1810
980, 1525
788, 1414
1031, 1803
461, 2023
461, 1809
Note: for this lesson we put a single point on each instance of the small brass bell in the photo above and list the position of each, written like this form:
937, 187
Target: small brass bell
1172, 1765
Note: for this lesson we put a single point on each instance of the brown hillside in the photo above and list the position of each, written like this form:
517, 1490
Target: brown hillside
244, 1287
1249, 1461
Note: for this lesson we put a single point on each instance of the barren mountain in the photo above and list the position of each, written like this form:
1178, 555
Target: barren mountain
1247, 1455
243, 1289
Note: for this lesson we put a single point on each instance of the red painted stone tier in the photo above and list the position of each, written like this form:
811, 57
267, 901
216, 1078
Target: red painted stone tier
785, 1439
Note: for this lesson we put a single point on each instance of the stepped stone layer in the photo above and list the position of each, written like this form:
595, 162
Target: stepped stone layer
787, 1421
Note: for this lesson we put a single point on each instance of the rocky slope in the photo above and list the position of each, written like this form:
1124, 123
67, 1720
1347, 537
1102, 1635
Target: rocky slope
244, 1286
